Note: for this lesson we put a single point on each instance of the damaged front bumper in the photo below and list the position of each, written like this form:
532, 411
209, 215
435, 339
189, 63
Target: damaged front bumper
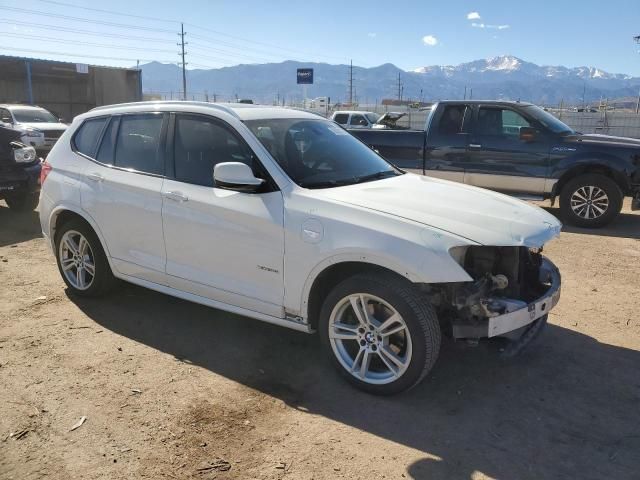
517, 314
508, 322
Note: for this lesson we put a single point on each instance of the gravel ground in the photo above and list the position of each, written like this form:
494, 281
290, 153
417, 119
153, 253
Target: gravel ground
171, 389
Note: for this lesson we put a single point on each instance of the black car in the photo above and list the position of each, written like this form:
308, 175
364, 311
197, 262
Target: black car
19, 172
519, 149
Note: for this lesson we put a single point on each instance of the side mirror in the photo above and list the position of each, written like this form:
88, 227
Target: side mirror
528, 134
236, 176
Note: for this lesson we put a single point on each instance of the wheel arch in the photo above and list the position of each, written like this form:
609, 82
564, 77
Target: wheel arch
63, 214
597, 167
318, 287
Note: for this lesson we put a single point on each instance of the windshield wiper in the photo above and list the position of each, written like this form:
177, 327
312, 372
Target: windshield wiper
375, 176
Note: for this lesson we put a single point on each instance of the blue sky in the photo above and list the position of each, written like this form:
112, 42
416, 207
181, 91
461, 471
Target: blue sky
407, 33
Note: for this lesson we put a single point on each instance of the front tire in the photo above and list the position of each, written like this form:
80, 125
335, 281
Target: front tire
81, 260
382, 335
590, 201
23, 202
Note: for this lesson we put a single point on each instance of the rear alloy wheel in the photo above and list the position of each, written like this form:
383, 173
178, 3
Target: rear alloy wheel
383, 336
81, 260
590, 200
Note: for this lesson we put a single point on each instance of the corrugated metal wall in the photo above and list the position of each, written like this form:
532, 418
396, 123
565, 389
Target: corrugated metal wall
67, 89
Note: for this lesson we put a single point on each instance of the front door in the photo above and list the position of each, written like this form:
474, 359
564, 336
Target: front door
498, 159
224, 245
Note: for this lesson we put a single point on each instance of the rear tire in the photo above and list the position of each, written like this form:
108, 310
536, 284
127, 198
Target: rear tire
591, 200
23, 202
398, 341
81, 260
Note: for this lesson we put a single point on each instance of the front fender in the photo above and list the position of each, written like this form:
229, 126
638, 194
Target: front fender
620, 168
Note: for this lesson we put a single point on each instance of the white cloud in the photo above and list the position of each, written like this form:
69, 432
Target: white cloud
473, 16
490, 27
372, 34
430, 40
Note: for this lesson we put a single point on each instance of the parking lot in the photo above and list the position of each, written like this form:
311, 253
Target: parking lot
171, 389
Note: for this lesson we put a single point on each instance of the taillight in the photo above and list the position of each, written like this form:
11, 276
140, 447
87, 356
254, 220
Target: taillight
44, 172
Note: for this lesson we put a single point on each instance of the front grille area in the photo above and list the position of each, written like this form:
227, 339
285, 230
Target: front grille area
53, 134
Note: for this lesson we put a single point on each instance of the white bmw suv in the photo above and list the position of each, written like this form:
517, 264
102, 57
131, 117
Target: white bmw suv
283, 216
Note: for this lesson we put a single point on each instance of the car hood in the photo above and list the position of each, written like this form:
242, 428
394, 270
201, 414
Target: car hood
44, 127
479, 215
604, 140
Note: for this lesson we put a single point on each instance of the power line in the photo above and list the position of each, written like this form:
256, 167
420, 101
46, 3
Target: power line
80, 19
85, 32
72, 42
110, 12
48, 52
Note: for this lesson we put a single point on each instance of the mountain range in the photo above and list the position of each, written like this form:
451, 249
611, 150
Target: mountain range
503, 77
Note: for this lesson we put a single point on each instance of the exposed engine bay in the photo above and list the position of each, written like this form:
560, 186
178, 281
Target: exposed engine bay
506, 280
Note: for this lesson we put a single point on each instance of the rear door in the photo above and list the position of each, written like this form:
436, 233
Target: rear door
121, 191
447, 142
498, 159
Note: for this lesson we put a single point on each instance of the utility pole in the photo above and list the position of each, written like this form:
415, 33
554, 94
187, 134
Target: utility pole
638, 104
351, 83
184, 64
399, 87
465, 92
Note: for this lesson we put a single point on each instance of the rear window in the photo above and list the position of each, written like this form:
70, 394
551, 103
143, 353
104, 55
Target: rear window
341, 118
86, 138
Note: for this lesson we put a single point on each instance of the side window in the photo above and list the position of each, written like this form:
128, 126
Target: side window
341, 118
138, 144
359, 121
500, 121
200, 144
452, 119
86, 138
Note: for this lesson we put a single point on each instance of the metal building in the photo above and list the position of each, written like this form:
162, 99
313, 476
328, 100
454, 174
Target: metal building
67, 89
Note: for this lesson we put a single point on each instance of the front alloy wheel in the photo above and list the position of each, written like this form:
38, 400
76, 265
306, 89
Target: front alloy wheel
380, 331
370, 339
590, 200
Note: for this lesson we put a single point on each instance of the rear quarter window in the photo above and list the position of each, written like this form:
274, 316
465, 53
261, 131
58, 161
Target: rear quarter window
86, 138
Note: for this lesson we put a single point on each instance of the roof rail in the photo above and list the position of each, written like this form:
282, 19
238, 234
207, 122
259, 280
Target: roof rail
216, 106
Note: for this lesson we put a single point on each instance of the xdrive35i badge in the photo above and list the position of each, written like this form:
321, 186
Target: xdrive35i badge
267, 269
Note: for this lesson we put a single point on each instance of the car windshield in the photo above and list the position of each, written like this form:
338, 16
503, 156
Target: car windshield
33, 115
319, 153
548, 120
373, 117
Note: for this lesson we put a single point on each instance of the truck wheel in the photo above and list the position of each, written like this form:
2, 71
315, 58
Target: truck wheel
81, 260
382, 335
590, 200
23, 202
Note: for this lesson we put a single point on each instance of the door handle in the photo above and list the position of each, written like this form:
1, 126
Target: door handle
475, 145
176, 196
96, 177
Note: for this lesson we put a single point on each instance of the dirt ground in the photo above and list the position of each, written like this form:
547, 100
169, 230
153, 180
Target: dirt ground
173, 390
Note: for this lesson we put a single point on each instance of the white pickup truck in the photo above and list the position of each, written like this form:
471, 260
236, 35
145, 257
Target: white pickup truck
282, 216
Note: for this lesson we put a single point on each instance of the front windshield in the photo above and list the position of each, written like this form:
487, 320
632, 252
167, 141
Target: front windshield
318, 153
548, 120
373, 117
33, 115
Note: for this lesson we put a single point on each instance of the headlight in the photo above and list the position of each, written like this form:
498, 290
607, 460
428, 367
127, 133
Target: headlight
24, 155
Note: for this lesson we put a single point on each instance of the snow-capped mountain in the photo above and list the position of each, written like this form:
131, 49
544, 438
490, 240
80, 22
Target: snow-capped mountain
502, 77
510, 65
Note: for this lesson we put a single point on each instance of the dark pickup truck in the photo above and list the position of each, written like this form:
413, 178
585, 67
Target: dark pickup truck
519, 149
19, 172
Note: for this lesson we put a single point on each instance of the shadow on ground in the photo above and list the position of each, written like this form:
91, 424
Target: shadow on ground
18, 227
626, 225
568, 409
